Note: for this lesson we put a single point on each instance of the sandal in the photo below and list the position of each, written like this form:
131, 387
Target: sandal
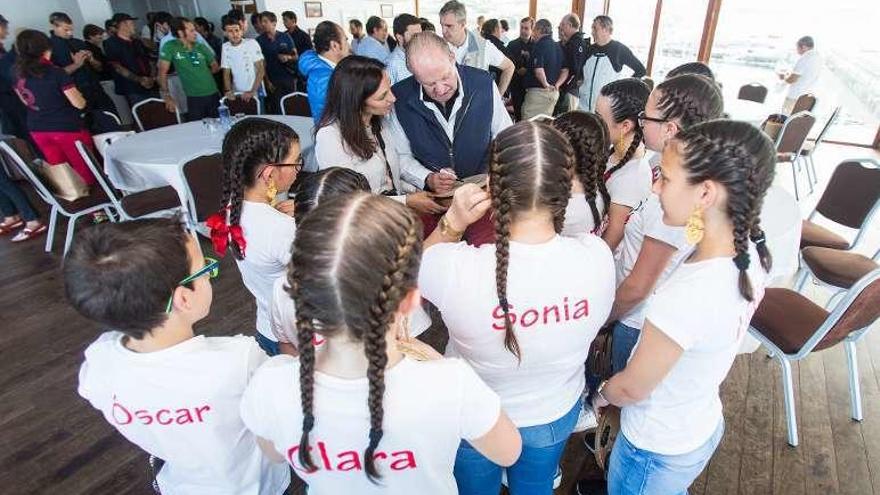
27, 234
9, 227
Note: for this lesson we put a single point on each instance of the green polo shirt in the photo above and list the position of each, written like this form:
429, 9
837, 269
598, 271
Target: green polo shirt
193, 67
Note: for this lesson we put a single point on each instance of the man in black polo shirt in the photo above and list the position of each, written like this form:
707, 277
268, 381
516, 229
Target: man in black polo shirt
131, 62
301, 39
520, 49
574, 49
72, 55
545, 73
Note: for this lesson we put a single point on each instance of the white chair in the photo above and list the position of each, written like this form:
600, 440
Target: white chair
113, 117
236, 106
73, 210
151, 114
296, 104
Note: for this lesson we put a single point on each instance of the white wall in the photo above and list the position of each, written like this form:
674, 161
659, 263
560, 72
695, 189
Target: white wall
24, 14
338, 11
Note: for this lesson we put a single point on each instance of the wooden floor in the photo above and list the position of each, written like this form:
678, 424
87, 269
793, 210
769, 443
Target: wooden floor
52, 441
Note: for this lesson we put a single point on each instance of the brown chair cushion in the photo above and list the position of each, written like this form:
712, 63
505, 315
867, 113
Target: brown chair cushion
297, 105
150, 201
96, 197
238, 106
784, 157
787, 319
815, 235
838, 268
153, 115
204, 175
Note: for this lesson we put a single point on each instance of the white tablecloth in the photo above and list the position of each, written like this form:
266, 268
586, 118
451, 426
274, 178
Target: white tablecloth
152, 158
747, 111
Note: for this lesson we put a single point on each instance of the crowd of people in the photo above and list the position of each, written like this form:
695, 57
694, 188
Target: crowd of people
526, 195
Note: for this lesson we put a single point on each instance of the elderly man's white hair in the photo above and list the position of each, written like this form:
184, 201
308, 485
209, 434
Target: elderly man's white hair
454, 7
424, 42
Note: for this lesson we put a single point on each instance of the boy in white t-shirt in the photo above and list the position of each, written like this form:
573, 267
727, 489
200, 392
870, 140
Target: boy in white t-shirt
172, 393
241, 61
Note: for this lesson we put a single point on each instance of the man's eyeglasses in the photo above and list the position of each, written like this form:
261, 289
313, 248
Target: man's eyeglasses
643, 118
212, 268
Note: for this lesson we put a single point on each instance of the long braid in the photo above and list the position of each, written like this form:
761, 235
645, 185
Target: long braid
588, 136
381, 316
628, 98
305, 344
502, 194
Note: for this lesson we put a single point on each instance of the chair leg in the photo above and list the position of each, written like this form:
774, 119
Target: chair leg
809, 178
855, 393
71, 227
795, 179
812, 164
53, 222
788, 391
832, 301
801, 279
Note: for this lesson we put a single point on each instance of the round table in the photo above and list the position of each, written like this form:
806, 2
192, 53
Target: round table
152, 158
746, 110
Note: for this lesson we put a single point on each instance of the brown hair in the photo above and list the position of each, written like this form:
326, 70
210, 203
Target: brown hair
588, 136
530, 168
354, 260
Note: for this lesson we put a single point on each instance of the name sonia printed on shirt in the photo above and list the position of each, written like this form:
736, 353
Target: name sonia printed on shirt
554, 313
349, 460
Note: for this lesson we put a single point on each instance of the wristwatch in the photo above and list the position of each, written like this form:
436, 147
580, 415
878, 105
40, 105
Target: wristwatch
447, 229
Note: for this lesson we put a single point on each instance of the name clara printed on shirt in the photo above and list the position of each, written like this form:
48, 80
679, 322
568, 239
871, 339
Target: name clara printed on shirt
569, 309
327, 459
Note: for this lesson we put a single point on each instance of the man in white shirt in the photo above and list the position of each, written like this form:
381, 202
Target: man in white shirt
405, 26
803, 77
470, 48
241, 61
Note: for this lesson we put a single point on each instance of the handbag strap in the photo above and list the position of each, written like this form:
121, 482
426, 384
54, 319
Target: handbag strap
378, 134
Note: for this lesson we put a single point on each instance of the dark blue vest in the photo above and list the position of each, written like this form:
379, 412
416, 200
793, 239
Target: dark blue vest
468, 153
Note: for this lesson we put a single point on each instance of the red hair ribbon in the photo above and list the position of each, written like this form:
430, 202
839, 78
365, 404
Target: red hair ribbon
222, 232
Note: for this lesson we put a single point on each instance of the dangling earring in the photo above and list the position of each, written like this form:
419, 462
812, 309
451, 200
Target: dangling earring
619, 146
694, 229
271, 192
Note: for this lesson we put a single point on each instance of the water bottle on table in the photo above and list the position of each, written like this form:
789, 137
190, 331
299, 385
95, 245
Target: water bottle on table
225, 120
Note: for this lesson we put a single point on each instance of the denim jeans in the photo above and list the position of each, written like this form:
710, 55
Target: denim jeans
13, 200
633, 471
268, 345
533, 473
623, 341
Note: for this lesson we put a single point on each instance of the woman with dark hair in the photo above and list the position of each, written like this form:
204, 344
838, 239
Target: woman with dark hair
54, 104
491, 31
206, 29
698, 68
261, 159
351, 131
628, 176
524, 310
713, 179
650, 248
358, 423
587, 209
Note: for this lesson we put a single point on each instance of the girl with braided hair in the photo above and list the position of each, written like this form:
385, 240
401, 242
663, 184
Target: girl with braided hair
628, 174
261, 158
358, 423
650, 248
714, 177
524, 310
587, 208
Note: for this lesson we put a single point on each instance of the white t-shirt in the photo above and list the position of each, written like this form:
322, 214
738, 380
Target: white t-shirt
240, 60
181, 404
808, 67
494, 57
560, 293
630, 184
412, 457
331, 151
269, 235
683, 411
647, 221
579, 216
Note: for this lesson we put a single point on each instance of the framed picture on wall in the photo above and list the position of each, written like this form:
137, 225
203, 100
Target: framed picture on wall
313, 9
387, 10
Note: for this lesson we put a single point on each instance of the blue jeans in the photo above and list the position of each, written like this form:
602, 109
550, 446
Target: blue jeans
533, 473
268, 345
633, 471
13, 200
623, 341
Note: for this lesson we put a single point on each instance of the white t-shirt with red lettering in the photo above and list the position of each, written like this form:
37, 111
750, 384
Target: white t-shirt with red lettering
429, 408
181, 404
560, 293
701, 309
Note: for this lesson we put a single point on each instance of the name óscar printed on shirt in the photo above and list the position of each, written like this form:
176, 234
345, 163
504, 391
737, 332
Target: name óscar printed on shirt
164, 416
554, 313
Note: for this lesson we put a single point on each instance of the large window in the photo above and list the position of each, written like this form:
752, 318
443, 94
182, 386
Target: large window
553, 11
755, 39
678, 34
633, 22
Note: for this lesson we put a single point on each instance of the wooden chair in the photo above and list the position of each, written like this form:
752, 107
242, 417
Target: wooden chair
142, 204
753, 92
151, 114
237, 106
790, 142
804, 103
73, 210
791, 326
296, 104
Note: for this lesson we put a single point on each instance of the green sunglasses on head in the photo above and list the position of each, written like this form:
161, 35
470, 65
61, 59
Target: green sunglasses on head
212, 268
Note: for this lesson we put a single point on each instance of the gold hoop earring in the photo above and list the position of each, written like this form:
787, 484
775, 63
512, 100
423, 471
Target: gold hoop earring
694, 228
271, 192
